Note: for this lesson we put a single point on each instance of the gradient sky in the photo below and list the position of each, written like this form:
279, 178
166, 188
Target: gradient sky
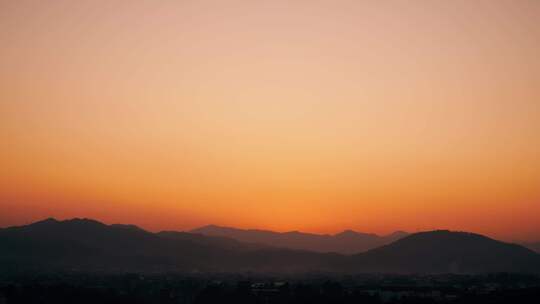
285, 115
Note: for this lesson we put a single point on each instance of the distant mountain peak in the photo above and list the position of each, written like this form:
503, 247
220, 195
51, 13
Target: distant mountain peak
352, 233
211, 226
83, 221
46, 221
127, 227
53, 223
347, 232
214, 227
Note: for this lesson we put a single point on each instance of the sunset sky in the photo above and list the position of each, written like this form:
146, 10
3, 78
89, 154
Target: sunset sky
303, 115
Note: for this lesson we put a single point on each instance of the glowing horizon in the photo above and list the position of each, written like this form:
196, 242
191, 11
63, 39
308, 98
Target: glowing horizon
315, 116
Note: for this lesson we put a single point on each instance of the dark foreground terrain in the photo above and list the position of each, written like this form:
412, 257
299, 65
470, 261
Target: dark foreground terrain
250, 288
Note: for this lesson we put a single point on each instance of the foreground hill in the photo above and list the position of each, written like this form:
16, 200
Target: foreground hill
88, 245
445, 251
346, 242
84, 244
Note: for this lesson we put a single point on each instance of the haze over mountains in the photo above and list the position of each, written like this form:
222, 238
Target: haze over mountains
346, 242
83, 244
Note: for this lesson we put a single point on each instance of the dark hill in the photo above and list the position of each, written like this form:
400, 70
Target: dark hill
88, 244
85, 244
445, 251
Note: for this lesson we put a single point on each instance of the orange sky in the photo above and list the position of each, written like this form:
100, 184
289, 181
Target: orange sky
286, 115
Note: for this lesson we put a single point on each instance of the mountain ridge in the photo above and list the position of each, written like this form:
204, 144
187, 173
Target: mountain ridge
89, 245
345, 242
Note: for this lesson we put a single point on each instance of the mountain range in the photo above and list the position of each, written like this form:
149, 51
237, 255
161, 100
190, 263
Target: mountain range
89, 245
346, 242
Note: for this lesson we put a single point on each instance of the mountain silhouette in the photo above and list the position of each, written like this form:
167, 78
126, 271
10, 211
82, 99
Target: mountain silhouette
346, 242
446, 251
84, 244
88, 245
